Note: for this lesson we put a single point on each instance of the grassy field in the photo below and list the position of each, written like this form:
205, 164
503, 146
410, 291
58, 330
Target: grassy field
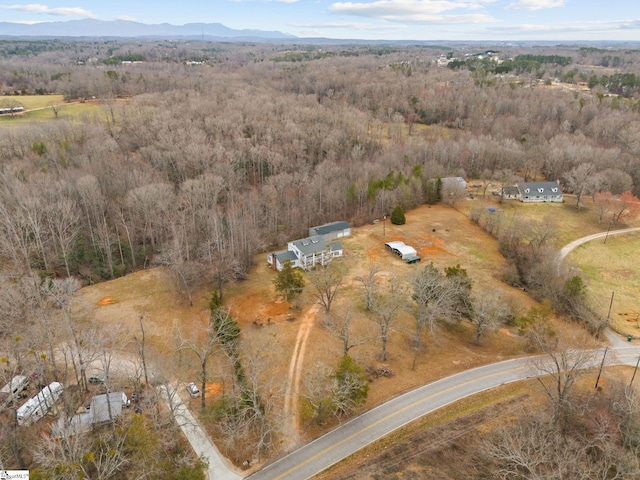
29, 102
607, 267
571, 223
612, 267
39, 109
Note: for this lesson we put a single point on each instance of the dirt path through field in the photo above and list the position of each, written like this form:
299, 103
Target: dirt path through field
292, 392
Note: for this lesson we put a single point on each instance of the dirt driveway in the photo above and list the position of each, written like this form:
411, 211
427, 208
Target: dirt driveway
440, 234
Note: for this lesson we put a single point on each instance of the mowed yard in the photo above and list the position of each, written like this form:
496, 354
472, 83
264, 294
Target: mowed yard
611, 270
40, 108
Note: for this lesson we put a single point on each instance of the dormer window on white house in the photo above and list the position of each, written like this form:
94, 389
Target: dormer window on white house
540, 190
526, 190
554, 190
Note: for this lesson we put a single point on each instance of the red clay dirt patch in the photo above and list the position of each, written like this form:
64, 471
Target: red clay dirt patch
106, 301
257, 308
431, 247
213, 389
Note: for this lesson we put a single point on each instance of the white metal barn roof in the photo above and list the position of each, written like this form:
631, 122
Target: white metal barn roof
406, 250
401, 249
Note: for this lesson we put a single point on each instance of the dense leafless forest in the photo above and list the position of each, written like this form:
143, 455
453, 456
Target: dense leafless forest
204, 154
193, 162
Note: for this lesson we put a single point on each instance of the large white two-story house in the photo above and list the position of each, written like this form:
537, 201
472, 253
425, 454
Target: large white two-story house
316, 249
306, 253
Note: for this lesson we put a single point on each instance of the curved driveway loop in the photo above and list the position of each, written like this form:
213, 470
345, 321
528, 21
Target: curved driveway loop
564, 251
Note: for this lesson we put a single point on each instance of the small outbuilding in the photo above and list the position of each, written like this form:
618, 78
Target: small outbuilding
510, 193
454, 183
401, 249
101, 410
331, 231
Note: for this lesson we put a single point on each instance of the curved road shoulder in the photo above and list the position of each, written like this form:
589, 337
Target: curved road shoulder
347, 439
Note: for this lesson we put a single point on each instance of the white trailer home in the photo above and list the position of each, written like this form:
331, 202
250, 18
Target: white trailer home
37, 407
10, 392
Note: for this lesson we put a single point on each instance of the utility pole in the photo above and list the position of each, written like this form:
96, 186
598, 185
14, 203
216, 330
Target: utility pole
601, 365
610, 305
384, 225
634, 372
607, 235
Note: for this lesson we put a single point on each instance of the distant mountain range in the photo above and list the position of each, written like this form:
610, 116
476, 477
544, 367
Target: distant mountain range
121, 28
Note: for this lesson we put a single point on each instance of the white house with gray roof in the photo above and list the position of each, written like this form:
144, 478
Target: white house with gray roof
306, 253
530, 192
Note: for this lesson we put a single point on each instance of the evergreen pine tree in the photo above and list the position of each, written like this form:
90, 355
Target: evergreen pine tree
397, 216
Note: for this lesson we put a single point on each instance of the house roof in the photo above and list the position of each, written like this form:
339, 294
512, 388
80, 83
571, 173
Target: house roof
331, 227
97, 413
510, 191
406, 250
454, 182
99, 407
310, 245
335, 246
402, 248
284, 255
539, 188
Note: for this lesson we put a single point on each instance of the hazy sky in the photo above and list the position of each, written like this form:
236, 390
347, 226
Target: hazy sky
367, 19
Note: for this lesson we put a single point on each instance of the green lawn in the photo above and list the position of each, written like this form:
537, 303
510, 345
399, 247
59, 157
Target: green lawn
571, 223
39, 108
31, 101
613, 267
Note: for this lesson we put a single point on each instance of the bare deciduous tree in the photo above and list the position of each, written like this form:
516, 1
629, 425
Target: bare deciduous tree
370, 283
490, 311
325, 282
386, 306
558, 370
580, 181
204, 343
339, 325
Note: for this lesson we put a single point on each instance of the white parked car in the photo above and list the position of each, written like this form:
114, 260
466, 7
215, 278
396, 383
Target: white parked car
192, 388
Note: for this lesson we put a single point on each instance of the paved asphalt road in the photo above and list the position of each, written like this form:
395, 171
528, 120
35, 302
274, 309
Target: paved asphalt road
338, 444
218, 470
576, 243
345, 440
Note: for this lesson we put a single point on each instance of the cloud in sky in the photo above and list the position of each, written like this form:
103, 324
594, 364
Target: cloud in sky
534, 4
415, 11
59, 11
573, 27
